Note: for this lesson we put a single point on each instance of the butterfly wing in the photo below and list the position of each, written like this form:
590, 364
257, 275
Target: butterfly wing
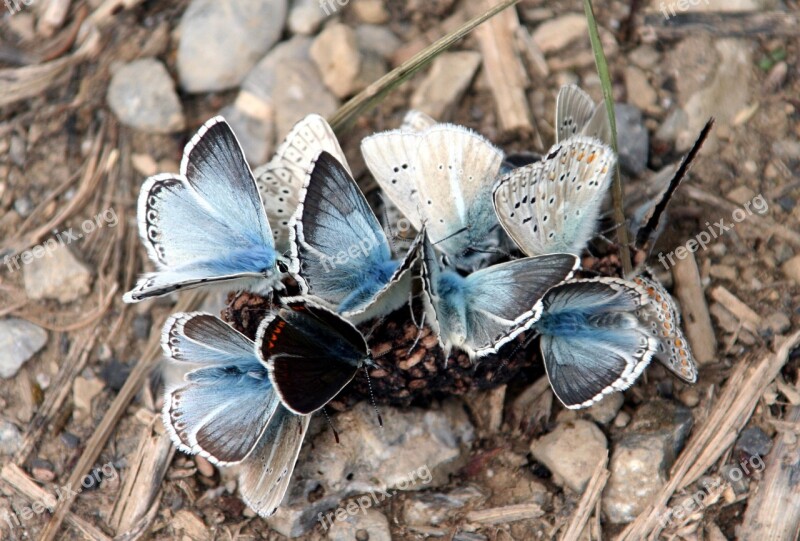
454, 170
664, 322
574, 109
220, 409
505, 300
340, 252
592, 343
445, 311
389, 156
265, 475
204, 225
281, 180
311, 353
552, 206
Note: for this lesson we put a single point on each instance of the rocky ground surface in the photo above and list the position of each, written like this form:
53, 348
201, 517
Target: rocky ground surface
85, 117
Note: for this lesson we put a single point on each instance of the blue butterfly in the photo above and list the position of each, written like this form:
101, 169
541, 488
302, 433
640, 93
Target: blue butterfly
340, 254
481, 312
594, 338
226, 409
207, 224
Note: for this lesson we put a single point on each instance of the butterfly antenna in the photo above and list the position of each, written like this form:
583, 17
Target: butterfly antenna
643, 236
372, 397
450, 236
419, 334
335, 433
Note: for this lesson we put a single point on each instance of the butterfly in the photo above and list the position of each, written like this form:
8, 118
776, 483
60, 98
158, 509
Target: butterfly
488, 308
340, 254
577, 114
311, 354
226, 408
441, 176
553, 205
281, 180
594, 340
664, 321
207, 224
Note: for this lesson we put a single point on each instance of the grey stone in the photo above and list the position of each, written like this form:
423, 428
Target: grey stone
377, 39
142, 95
559, 32
427, 509
306, 16
335, 52
416, 449
10, 438
638, 468
221, 41
56, 274
632, 139
604, 411
300, 93
664, 419
262, 80
753, 442
571, 452
446, 81
777, 323
675, 123
366, 525
255, 130
19, 341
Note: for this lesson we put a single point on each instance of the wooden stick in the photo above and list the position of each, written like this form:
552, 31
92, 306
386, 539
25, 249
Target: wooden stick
591, 496
27, 487
734, 305
94, 446
504, 70
773, 513
504, 515
723, 24
696, 319
735, 406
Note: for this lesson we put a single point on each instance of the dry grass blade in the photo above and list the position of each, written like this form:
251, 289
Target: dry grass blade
608, 98
370, 96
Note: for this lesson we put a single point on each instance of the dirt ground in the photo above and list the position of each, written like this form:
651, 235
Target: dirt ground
65, 158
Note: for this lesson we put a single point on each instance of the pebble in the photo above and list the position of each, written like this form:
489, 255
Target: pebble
43, 470
23, 205
416, 449
221, 41
776, 323
371, 11
675, 123
638, 88
10, 438
84, 390
753, 442
690, 397
638, 470
56, 274
19, 341
632, 140
335, 52
17, 150
622, 419
300, 93
142, 96
306, 16
360, 525
645, 56
204, 466
791, 269
446, 81
557, 33
115, 374
741, 195
571, 452
663, 419
723, 272
604, 411
377, 39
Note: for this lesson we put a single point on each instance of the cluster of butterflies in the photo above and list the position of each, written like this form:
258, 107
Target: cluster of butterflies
302, 215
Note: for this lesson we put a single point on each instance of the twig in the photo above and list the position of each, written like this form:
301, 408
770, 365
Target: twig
504, 515
774, 24
591, 496
696, 319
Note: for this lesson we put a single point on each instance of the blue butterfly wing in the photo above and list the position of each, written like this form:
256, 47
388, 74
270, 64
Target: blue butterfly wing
215, 166
264, 476
504, 300
592, 341
219, 410
340, 251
